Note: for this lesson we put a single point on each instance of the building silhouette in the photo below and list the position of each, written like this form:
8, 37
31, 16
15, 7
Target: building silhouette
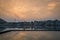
48, 25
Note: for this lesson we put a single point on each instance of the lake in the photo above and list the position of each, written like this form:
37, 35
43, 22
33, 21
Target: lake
31, 35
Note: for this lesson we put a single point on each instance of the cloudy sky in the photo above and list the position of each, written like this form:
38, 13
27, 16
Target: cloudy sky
29, 10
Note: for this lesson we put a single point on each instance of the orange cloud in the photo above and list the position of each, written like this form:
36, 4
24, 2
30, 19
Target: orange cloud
51, 5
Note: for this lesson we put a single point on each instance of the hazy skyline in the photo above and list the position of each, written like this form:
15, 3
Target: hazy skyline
29, 10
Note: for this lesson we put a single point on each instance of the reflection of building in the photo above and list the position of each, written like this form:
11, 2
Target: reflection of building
45, 25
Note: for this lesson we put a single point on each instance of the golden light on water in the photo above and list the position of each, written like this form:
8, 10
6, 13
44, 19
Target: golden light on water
19, 35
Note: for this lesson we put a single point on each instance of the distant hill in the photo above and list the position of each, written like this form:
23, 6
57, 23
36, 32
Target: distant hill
2, 21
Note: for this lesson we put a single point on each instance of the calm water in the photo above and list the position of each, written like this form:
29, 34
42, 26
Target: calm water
31, 35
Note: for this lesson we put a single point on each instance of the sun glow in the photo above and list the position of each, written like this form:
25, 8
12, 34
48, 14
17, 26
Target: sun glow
26, 10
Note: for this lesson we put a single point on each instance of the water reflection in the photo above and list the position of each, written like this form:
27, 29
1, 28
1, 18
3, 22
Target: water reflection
31, 35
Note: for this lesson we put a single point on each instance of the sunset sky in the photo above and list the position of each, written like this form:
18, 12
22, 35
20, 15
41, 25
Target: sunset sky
29, 10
